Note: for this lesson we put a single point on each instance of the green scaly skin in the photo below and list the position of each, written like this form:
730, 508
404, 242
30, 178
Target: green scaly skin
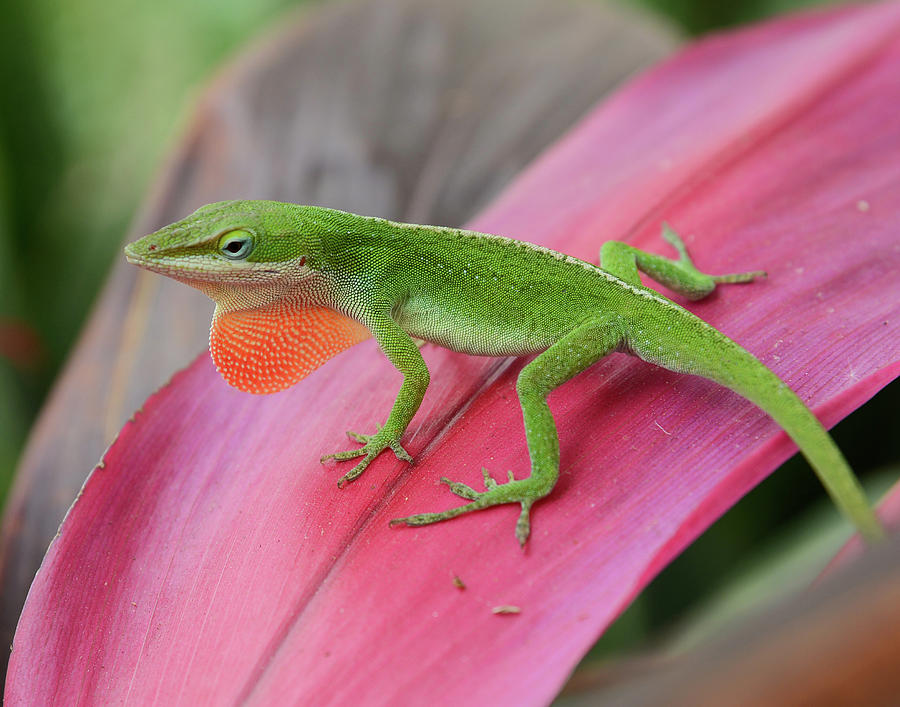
489, 296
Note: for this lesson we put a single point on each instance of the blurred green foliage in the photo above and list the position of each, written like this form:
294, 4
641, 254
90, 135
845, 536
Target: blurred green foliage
92, 92
697, 16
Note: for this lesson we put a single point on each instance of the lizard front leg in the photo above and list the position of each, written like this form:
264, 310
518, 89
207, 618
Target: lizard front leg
583, 346
402, 351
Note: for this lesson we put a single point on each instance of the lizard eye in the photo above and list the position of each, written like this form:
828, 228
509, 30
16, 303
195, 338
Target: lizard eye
236, 245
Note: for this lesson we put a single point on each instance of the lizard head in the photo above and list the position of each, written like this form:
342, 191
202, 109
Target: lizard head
262, 263
255, 248
231, 241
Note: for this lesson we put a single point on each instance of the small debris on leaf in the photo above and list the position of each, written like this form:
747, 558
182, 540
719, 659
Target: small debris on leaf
506, 609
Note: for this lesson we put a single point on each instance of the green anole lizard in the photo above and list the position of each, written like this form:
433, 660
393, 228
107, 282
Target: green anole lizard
296, 285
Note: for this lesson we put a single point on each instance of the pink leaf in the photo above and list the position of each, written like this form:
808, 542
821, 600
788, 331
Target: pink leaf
212, 559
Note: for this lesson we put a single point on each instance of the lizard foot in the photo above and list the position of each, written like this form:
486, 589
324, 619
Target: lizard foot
523, 491
373, 445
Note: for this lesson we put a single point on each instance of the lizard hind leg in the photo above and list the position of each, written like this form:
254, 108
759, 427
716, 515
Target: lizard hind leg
587, 343
495, 494
681, 275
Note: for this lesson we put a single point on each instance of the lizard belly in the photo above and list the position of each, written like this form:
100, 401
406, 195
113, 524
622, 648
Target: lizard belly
472, 334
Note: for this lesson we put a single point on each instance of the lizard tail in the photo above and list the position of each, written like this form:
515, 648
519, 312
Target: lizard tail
701, 350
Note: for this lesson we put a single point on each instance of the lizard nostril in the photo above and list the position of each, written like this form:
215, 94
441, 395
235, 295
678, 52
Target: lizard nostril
153, 247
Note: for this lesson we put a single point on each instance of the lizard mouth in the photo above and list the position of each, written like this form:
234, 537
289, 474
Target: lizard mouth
145, 260
141, 254
195, 269
144, 252
132, 255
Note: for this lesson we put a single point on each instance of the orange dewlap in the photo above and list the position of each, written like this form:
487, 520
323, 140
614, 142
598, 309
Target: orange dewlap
270, 349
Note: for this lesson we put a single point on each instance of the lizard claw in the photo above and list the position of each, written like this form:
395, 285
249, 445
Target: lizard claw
522, 491
373, 445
